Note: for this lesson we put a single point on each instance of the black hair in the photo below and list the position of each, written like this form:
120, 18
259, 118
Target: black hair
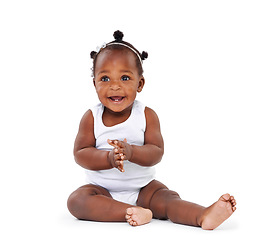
118, 35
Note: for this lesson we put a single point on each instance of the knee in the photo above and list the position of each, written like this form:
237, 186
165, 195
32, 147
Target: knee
75, 203
158, 206
173, 195
146, 194
160, 202
78, 202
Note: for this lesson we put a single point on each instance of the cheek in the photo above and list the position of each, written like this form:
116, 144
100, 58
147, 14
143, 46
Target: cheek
131, 90
132, 93
99, 88
100, 92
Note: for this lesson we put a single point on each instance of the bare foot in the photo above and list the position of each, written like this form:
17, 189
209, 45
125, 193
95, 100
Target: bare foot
137, 216
218, 212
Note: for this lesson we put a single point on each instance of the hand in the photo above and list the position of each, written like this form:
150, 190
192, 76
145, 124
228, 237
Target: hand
122, 151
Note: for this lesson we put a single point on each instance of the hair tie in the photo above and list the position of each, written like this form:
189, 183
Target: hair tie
122, 44
98, 48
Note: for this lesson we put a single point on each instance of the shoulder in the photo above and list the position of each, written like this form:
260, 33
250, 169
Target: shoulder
87, 121
85, 136
150, 113
151, 117
153, 132
91, 115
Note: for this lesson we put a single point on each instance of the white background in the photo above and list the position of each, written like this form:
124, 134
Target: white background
203, 78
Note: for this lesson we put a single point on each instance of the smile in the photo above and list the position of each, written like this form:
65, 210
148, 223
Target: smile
116, 99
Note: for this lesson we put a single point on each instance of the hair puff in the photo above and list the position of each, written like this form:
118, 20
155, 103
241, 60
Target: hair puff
118, 35
144, 55
93, 54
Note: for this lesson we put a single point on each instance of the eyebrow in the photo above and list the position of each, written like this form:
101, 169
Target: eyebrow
127, 71
104, 71
122, 71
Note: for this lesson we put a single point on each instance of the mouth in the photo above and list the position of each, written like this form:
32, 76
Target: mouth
116, 99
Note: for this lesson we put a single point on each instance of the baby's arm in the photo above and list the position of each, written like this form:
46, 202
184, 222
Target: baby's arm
85, 152
153, 149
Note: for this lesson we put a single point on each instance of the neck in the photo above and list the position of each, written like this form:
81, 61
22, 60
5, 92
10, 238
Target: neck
111, 118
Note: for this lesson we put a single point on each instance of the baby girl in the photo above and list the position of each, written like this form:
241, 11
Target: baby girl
119, 142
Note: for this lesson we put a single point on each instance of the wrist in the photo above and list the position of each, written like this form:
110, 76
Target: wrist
132, 147
109, 157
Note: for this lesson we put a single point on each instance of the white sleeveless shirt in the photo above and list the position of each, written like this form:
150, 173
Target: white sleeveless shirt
133, 129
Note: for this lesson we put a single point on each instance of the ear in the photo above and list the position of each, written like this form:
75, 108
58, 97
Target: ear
141, 84
94, 82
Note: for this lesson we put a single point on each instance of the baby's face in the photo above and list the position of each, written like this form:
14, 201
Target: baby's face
117, 80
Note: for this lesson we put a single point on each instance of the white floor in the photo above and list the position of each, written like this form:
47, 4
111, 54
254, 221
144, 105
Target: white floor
156, 229
63, 226
71, 228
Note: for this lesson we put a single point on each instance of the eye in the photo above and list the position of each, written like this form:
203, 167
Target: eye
105, 79
125, 78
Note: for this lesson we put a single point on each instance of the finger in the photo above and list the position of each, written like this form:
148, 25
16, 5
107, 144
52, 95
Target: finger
117, 157
121, 167
122, 156
117, 143
112, 142
119, 163
119, 150
120, 144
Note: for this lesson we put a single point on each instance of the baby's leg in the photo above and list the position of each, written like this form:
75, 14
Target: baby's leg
95, 203
167, 204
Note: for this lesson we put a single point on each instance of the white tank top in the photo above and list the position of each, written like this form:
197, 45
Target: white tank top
133, 129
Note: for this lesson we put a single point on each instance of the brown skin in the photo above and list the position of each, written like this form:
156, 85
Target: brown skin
84, 151
117, 82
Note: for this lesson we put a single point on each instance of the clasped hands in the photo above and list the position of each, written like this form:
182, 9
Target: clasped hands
122, 151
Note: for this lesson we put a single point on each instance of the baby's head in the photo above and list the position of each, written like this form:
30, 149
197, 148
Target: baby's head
118, 73
123, 46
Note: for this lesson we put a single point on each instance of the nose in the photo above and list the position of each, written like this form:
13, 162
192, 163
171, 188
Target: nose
115, 85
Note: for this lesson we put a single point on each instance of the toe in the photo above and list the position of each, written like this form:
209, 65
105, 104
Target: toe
233, 202
134, 223
129, 220
129, 211
225, 197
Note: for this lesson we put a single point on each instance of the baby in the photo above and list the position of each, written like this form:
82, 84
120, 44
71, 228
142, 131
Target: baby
119, 142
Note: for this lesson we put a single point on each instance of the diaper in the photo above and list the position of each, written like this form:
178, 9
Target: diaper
129, 197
